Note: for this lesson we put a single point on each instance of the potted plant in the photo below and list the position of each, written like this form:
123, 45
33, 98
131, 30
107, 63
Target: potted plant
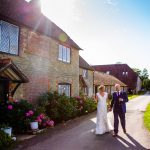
6, 129
31, 119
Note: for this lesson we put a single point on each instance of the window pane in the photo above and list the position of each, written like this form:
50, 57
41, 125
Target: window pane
60, 56
68, 55
64, 89
68, 90
8, 37
13, 32
4, 37
64, 54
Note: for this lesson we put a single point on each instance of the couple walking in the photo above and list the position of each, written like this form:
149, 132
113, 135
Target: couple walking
118, 105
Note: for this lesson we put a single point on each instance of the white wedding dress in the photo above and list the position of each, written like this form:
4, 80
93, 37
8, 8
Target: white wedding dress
102, 125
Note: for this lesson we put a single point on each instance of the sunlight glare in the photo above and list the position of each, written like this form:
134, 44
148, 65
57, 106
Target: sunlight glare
58, 11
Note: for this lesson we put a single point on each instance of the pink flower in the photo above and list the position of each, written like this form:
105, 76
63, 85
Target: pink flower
38, 120
81, 101
31, 112
27, 114
50, 123
10, 107
42, 116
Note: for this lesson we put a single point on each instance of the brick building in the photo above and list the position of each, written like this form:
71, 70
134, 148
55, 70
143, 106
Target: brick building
122, 72
44, 56
86, 77
108, 81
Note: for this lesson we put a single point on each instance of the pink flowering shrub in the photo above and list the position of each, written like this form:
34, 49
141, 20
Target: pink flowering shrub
44, 121
10, 107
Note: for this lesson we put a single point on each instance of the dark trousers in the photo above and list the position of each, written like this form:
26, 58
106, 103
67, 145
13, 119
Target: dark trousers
119, 114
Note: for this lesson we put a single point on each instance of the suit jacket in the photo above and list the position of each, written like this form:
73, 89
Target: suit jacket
115, 97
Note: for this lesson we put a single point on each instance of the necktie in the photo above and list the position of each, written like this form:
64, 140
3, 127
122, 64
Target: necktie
118, 93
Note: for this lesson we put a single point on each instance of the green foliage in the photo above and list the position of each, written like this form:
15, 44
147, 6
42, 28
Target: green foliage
147, 117
5, 140
146, 84
89, 105
138, 71
62, 108
15, 117
144, 74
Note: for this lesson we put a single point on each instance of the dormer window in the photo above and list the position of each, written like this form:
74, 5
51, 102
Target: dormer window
107, 72
64, 54
9, 35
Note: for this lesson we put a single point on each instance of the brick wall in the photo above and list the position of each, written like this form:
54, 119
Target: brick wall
38, 60
89, 81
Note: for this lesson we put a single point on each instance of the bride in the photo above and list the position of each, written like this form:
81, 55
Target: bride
102, 125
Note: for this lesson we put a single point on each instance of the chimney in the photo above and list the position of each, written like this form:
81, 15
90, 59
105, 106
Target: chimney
36, 6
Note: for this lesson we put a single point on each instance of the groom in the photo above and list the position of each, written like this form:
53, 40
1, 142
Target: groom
118, 104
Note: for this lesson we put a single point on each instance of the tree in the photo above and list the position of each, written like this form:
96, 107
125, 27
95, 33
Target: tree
138, 71
144, 74
146, 84
144, 77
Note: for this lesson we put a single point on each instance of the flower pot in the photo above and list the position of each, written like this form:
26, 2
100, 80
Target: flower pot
34, 125
7, 130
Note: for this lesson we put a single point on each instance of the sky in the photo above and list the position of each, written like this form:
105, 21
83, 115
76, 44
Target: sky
108, 31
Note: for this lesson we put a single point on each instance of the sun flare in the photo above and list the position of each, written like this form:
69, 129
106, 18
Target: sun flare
58, 11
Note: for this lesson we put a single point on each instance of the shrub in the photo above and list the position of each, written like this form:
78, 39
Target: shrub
65, 108
62, 108
5, 140
14, 114
89, 105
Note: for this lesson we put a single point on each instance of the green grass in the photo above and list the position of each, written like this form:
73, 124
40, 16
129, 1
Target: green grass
131, 96
147, 117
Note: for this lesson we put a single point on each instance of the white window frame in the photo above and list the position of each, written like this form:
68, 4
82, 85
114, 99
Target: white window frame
64, 88
64, 54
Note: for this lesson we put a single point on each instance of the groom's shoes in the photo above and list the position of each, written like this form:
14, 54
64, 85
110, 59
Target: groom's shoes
124, 130
115, 134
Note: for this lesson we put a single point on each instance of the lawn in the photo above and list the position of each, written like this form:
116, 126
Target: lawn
131, 96
147, 117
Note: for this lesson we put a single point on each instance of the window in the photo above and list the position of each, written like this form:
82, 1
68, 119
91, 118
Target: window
107, 72
125, 73
85, 73
9, 38
64, 88
64, 54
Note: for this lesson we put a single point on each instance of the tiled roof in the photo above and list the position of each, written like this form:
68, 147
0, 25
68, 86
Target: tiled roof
105, 79
83, 64
24, 13
117, 70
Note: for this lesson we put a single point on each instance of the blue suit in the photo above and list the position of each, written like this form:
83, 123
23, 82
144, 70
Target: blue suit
119, 109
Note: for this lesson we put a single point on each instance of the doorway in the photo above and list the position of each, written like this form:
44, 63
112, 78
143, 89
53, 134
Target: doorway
4, 89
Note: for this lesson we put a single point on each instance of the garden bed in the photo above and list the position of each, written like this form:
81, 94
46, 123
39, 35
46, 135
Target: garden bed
51, 108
